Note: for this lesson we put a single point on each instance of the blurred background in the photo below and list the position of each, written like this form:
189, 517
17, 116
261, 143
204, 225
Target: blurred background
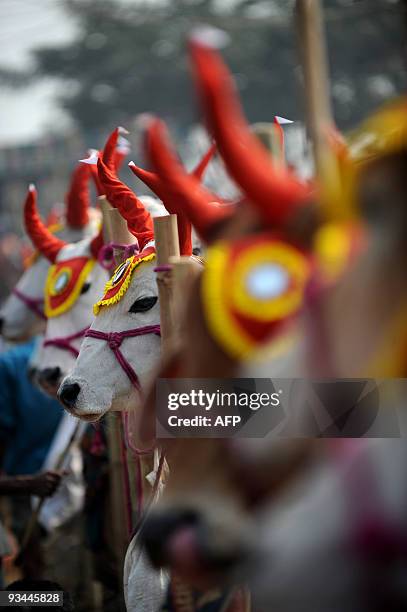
70, 70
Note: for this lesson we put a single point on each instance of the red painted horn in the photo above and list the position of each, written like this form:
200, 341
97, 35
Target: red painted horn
274, 190
45, 242
113, 156
154, 182
200, 169
138, 219
187, 193
78, 197
156, 185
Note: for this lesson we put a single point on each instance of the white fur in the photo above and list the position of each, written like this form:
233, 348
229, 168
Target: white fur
78, 317
104, 385
19, 321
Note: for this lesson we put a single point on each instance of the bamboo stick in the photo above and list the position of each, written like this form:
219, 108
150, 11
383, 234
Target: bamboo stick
184, 270
119, 233
316, 76
105, 207
167, 245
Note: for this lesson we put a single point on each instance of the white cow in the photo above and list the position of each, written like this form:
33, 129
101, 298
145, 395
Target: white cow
65, 330
117, 387
22, 315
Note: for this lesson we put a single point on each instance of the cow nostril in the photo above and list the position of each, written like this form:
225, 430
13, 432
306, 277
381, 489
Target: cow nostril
158, 527
68, 394
50, 375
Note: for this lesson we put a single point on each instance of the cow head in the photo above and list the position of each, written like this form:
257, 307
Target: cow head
23, 313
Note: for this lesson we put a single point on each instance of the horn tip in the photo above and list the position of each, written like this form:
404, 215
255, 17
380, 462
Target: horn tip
31, 188
282, 120
144, 120
208, 36
92, 160
122, 130
131, 164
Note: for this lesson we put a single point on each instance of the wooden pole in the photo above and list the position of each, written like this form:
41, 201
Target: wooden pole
316, 77
105, 207
184, 270
117, 496
118, 232
167, 246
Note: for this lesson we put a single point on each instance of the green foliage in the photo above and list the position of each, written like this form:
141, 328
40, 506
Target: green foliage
130, 58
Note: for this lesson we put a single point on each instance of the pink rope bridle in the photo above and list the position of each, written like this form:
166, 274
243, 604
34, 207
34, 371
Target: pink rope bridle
34, 304
106, 253
64, 343
115, 339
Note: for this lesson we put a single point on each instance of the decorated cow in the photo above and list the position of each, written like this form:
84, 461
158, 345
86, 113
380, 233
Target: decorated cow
214, 524
124, 338
23, 313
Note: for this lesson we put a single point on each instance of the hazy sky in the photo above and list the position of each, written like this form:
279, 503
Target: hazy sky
25, 24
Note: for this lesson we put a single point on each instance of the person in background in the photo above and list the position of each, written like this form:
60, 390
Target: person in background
28, 422
42, 485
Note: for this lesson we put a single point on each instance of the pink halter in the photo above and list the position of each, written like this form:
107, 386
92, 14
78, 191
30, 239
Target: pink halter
34, 304
64, 343
106, 253
114, 340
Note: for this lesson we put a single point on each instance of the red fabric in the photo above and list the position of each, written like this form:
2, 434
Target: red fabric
78, 197
45, 242
185, 190
75, 265
254, 328
273, 190
120, 196
110, 293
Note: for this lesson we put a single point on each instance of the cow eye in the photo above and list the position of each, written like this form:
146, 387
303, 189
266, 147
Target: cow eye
143, 304
85, 288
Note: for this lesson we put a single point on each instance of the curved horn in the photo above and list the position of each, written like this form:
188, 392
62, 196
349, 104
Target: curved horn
78, 197
156, 185
154, 182
91, 161
113, 154
130, 207
200, 169
45, 242
186, 190
272, 189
